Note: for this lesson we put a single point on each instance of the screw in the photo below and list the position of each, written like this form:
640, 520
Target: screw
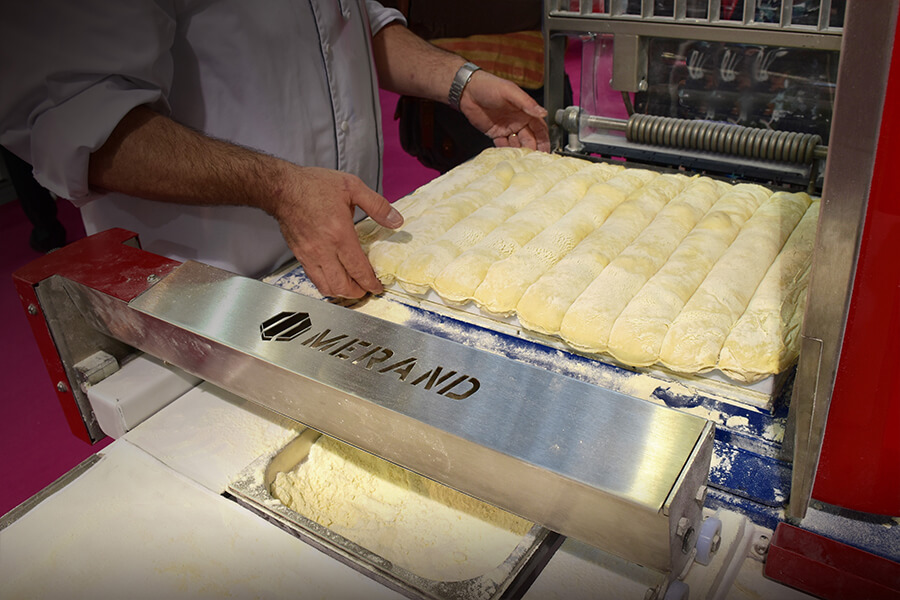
701, 495
683, 525
152, 278
62, 387
761, 546
32, 309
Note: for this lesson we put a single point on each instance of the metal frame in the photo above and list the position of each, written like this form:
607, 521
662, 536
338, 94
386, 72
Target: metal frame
861, 85
523, 438
862, 82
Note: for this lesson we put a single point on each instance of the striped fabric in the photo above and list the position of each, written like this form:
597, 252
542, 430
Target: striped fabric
517, 56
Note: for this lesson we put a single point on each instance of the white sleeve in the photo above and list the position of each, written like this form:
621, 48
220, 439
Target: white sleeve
379, 16
75, 70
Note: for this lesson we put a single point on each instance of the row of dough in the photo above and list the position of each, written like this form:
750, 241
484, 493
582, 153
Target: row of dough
686, 272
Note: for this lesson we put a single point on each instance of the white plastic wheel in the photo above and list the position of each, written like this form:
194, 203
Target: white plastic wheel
708, 540
677, 590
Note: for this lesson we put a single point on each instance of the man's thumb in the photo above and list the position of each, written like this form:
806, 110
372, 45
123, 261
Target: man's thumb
381, 210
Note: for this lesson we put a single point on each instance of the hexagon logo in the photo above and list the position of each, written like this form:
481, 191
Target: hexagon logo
284, 326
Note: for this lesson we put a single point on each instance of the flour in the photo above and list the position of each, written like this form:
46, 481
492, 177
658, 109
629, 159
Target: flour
422, 526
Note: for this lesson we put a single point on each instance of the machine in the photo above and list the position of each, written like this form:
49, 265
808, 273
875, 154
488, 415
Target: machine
666, 483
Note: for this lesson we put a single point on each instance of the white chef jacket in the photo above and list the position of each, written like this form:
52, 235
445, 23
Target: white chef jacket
292, 78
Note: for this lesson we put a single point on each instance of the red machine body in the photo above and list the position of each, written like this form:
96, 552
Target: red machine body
859, 467
111, 262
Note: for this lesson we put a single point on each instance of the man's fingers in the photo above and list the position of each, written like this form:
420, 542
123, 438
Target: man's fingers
526, 139
338, 282
542, 136
377, 207
537, 111
315, 274
359, 269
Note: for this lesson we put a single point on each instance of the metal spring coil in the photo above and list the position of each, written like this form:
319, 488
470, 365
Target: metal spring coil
724, 138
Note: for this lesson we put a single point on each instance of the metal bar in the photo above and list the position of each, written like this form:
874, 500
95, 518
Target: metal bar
824, 14
723, 31
715, 11
749, 15
576, 458
785, 16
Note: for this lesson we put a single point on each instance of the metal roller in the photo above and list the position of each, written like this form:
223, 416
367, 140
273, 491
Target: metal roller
706, 136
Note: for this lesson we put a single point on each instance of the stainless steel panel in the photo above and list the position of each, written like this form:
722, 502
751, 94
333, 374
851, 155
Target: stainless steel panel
75, 341
581, 460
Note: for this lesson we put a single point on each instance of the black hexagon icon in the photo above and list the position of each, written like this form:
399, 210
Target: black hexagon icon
285, 326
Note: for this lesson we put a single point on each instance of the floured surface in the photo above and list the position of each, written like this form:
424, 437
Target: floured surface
649, 269
420, 525
131, 527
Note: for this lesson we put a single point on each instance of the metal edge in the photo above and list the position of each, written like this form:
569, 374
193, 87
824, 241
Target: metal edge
25, 507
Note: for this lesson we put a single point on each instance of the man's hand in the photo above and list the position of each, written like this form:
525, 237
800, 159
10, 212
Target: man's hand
315, 210
505, 113
409, 65
151, 156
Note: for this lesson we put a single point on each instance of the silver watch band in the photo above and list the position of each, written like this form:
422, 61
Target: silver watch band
459, 83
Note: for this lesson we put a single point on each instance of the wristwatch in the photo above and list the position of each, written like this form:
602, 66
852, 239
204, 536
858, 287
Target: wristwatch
459, 83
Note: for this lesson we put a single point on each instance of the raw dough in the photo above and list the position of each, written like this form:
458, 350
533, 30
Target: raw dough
499, 224
587, 323
544, 304
639, 330
764, 340
437, 189
696, 336
506, 188
646, 268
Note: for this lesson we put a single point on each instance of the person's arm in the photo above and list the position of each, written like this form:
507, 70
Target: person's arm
151, 156
409, 65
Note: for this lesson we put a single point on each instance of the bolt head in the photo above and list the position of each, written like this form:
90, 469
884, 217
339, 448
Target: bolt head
62, 387
683, 525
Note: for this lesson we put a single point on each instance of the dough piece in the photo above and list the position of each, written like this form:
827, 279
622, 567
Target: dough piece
637, 334
765, 340
459, 280
588, 322
385, 255
506, 281
503, 189
417, 272
451, 182
458, 277
544, 303
695, 338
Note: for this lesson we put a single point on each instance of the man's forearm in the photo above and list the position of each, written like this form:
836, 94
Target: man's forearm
151, 156
409, 65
